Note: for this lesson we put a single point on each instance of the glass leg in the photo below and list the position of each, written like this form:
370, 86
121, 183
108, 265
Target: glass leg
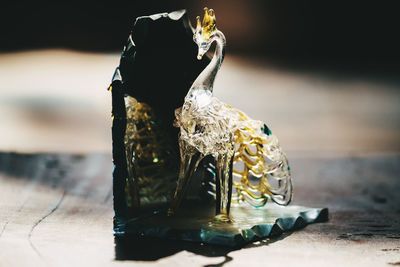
188, 165
223, 187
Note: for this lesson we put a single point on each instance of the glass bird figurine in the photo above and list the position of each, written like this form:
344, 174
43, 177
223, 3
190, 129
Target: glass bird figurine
250, 166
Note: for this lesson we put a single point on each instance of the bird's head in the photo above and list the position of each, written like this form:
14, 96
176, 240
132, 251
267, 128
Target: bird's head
205, 31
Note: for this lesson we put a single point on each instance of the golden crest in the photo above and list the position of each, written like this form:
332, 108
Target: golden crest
208, 26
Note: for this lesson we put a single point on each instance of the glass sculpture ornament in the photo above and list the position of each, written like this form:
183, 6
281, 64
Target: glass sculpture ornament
187, 165
241, 147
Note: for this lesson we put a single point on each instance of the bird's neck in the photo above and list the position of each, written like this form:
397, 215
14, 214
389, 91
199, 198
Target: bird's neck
205, 81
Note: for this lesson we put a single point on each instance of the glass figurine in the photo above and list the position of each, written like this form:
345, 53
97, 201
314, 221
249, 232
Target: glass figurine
186, 165
250, 165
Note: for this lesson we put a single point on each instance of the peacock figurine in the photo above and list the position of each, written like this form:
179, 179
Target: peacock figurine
250, 166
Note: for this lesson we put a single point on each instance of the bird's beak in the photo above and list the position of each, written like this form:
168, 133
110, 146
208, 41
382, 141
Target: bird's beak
201, 53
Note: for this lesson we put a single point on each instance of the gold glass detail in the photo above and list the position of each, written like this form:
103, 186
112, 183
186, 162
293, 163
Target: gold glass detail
208, 27
258, 161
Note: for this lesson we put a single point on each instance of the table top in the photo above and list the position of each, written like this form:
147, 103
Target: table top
341, 135
56, 209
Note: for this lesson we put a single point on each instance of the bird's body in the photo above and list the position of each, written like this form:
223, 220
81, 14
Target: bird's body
206, 123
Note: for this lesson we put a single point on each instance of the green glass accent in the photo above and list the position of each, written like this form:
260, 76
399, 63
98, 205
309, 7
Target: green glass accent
266, 130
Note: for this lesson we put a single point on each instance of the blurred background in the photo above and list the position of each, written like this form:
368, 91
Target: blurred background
323, 75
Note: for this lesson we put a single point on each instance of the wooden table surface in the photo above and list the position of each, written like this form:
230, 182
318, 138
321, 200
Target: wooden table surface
56, 210
342, 137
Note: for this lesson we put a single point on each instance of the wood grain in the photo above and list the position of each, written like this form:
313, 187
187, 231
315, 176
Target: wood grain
56, 210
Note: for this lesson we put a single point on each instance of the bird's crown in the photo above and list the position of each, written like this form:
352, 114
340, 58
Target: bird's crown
206, 28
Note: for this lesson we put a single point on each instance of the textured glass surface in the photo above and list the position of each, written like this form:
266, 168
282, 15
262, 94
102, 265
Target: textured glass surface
149, 180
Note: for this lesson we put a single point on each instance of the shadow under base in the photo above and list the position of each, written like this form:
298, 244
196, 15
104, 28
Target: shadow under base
195, 223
